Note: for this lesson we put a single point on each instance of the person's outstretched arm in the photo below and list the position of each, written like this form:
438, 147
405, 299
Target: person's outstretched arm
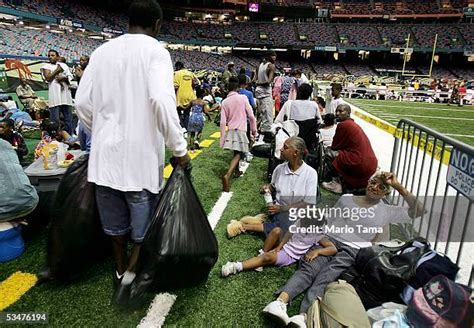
415, 207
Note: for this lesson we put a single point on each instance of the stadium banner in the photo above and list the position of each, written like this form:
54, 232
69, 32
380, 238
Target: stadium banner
332, 49
469, 11
12, 69
468, 52
70, 23
460, 174
111, 30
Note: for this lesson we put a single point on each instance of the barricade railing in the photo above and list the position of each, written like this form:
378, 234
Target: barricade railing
439, 172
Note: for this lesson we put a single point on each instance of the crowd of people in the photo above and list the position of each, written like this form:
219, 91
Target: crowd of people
138, 97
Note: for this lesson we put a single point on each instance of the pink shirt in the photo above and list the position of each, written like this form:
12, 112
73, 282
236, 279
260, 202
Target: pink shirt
234, 112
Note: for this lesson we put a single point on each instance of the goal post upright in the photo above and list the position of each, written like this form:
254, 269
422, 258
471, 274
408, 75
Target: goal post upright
405, 55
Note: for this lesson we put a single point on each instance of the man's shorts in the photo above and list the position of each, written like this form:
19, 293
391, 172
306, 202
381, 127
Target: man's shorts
280, 220
123, 212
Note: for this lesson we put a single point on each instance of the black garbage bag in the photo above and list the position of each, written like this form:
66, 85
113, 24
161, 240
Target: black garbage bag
180, 248
76, 239
263, 150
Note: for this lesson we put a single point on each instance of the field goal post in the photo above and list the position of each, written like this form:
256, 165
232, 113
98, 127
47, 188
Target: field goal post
408, 51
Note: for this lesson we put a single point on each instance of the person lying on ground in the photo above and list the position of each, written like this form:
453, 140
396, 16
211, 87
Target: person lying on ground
282, 251
372, 215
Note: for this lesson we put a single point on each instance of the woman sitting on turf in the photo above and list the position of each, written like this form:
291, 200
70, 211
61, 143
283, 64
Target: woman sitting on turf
282, 252
294, 184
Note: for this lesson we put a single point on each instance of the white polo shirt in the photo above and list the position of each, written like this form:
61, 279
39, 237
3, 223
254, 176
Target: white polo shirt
58, 95
294, 187
331, 108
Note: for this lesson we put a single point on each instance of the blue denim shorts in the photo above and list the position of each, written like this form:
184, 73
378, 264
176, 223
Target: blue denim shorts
280, 220
123, 212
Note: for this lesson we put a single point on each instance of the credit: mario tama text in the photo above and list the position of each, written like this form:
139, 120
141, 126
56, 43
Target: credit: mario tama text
333, 229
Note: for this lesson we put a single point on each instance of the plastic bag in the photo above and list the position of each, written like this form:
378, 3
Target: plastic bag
76, 239
180, 247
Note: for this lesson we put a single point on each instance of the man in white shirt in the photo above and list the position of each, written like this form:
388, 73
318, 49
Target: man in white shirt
59, 96
336, 99
126, 99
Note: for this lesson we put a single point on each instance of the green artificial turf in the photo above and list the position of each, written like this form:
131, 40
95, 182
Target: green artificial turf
233, 301
440, 117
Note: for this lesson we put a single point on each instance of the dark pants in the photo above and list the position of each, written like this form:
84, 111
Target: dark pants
67, 115
183, 114
314, 276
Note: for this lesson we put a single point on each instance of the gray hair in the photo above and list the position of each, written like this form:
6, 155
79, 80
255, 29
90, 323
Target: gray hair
299, 144
379, 178
344, 107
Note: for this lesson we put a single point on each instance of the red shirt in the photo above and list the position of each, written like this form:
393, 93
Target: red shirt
356, 161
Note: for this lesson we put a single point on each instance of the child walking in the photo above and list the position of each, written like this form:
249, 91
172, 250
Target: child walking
285, 252
196, 119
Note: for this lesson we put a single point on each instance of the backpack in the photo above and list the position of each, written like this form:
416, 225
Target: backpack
441, 303
381, 273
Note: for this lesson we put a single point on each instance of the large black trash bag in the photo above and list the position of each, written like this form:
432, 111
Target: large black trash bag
76, 239
180, 248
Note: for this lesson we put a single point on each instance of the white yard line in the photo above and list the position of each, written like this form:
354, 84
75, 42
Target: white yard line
438, 117
459, 135
450, 109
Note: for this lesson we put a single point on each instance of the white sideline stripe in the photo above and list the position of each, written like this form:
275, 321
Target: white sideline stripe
158, 310
439, 117
460, 135
414, 107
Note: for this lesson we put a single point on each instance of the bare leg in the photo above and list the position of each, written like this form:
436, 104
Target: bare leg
272, 240
191, 140
132, 263
258, 261
253, 227
233, 165
119, 246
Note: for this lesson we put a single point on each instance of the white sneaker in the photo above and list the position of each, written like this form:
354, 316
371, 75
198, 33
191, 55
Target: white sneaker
332, 186
276, 311
228, 269
297, 321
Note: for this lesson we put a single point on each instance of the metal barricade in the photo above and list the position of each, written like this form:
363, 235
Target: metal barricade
439, 172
